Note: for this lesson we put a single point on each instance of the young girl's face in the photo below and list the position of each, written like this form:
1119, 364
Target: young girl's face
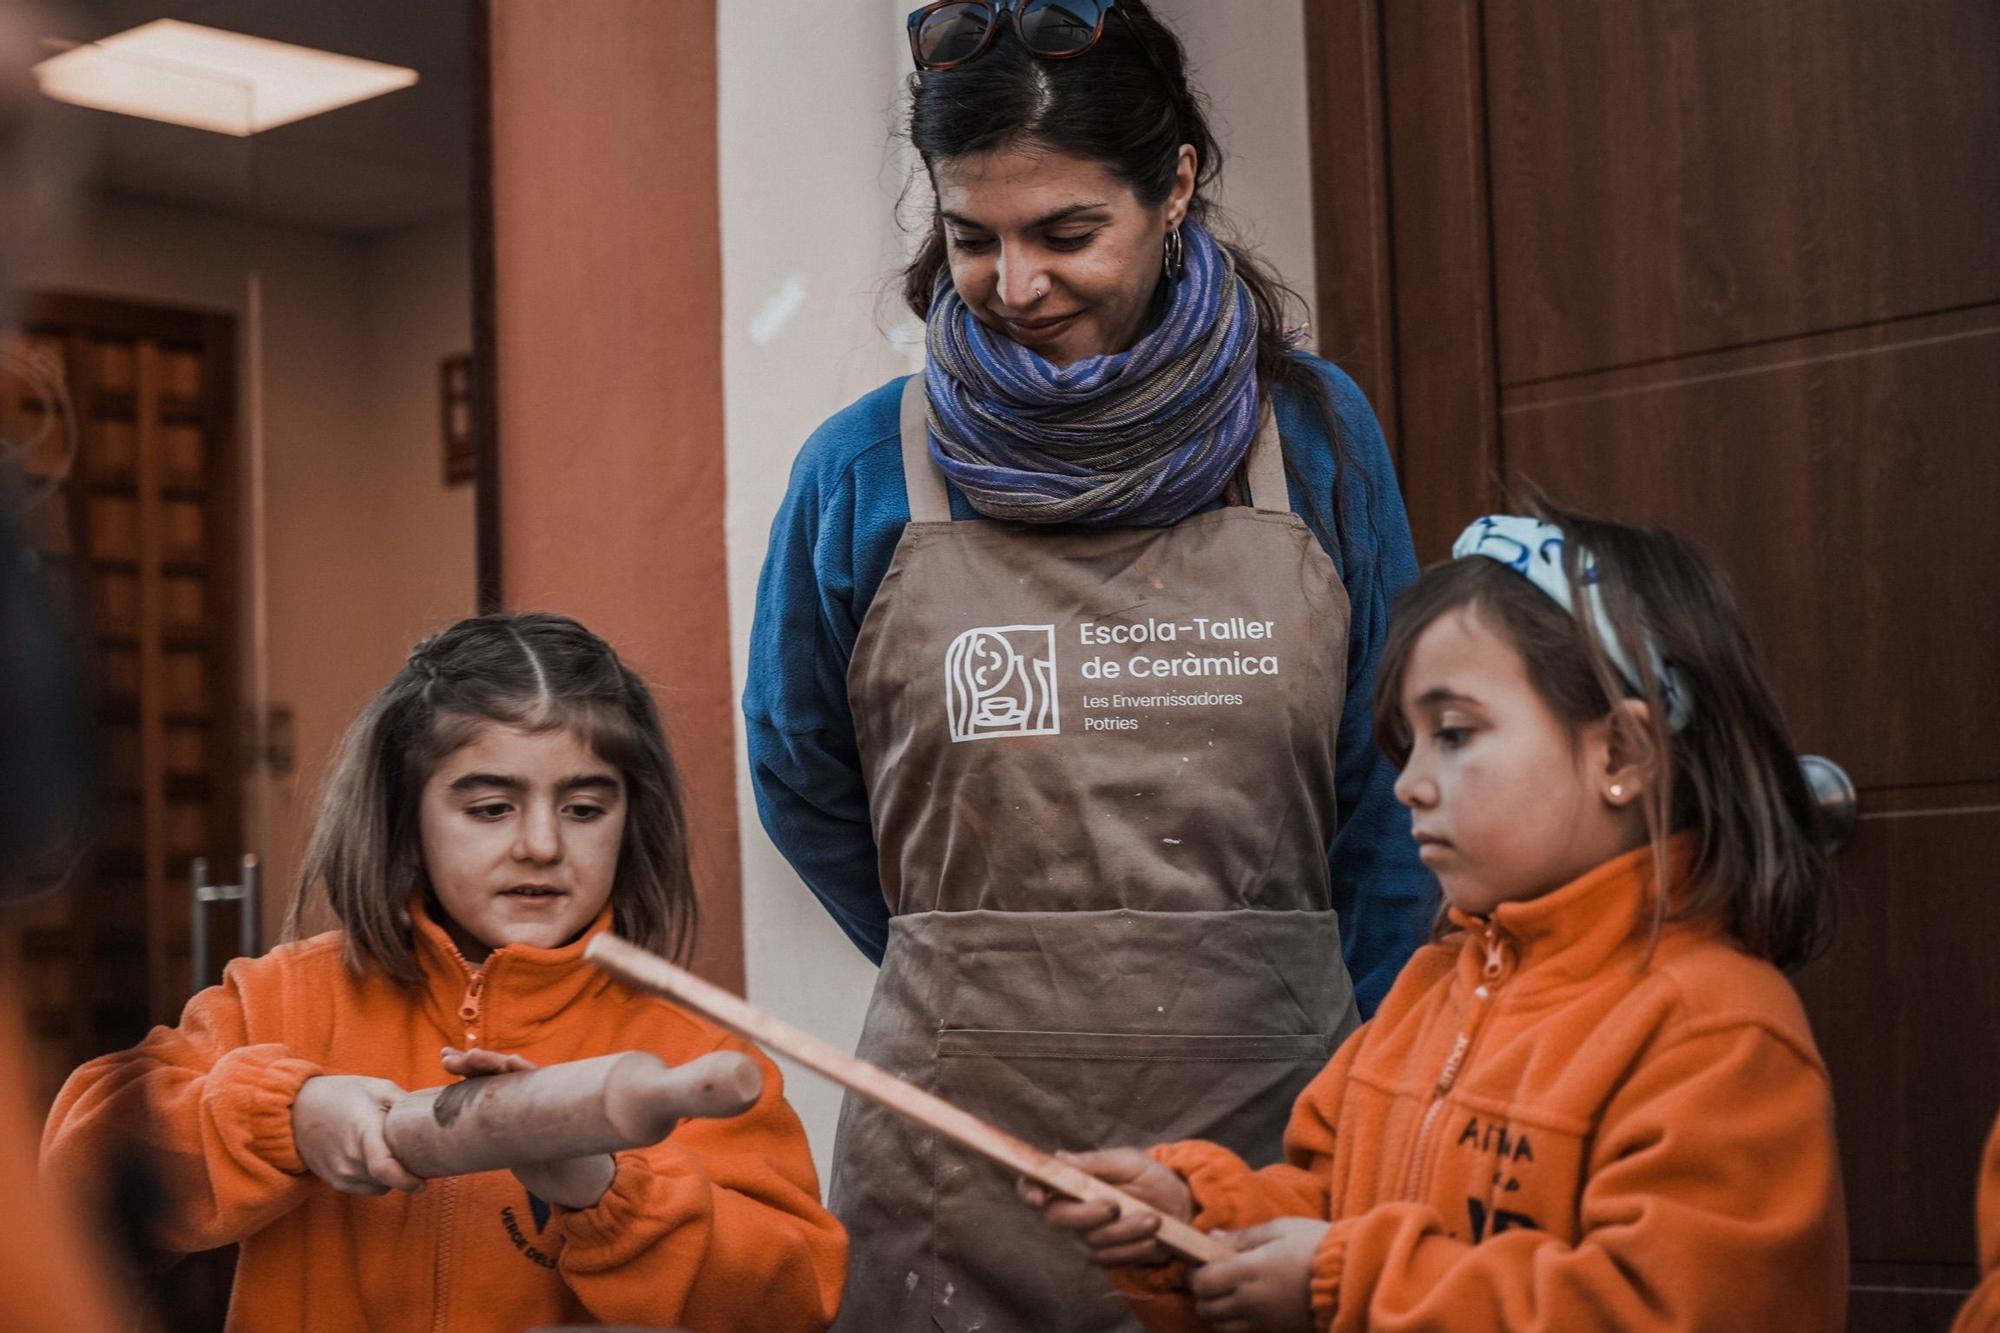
1507, 801
521, 832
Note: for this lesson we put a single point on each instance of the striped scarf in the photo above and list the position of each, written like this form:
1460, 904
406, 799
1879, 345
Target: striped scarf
1141, 438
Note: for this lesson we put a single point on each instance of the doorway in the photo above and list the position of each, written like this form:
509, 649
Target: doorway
1728, 268
128, 413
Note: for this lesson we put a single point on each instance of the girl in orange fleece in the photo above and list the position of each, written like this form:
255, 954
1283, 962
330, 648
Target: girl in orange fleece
509, 795
1982, 1309
1593, 1102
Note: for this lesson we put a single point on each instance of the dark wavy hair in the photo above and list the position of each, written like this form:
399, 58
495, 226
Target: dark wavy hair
1127, 103
1733, 779
533, 670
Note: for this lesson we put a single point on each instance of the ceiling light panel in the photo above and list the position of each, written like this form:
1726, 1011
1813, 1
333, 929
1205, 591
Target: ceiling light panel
210, 79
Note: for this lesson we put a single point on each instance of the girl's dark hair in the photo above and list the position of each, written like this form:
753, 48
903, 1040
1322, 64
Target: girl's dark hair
1126, 103
1733, 779
534, 670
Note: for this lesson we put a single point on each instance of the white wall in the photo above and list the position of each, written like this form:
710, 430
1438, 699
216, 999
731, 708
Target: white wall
810, 178
365, 547
1249, 55
809, 183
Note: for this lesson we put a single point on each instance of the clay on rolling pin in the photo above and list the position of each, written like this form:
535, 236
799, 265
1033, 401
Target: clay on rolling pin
578, 1109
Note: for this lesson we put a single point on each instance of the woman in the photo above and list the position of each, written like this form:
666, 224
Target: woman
1053, 700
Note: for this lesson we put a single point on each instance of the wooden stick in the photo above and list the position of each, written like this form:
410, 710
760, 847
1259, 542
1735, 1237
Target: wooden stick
651, 972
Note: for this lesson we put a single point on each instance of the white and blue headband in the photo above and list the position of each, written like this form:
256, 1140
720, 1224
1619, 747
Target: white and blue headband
1534, 550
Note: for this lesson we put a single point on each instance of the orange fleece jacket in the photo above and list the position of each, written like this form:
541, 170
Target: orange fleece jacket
719, 1227
52, 1277
1543, 1128
1982, 1313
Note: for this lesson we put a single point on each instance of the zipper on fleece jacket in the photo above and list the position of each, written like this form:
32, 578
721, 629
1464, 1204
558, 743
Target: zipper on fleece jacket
441, 1264
469, 1008
1493, 974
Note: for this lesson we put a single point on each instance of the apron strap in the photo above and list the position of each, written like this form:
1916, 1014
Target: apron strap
1265, 465
928, 501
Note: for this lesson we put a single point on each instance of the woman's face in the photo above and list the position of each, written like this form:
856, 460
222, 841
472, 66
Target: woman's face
1055, 251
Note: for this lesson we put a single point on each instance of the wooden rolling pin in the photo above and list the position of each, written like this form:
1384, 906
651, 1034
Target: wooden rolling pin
651, 972
578, 1109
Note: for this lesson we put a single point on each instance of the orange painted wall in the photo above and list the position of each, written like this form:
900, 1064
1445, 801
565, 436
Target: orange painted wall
608, 313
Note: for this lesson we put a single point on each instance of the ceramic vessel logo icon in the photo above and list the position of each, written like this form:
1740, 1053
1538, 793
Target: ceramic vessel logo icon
1001, 681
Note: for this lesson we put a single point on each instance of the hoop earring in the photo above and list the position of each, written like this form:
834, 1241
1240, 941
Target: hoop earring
1176, 256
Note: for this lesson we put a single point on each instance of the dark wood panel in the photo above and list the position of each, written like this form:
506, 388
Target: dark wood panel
1679, 177
1350, 192
1446, 384
1732, 259
485, 330
1910, 994
1847, 483
1945, 1279
1902, 1310
107, 318
151, 513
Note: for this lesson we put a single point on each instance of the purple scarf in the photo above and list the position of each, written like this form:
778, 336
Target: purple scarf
1141, 438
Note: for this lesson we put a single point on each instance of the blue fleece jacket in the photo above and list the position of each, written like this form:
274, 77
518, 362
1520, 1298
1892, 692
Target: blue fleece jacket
830, 545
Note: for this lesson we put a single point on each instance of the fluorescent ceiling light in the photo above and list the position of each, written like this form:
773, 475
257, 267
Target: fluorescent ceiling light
186, 74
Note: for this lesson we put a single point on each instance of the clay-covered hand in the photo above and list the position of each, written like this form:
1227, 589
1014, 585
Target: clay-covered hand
575, 1182
337, 1127
1117, 1239
1267, 1287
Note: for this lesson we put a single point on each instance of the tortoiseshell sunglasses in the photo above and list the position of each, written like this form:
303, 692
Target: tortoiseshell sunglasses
951, 32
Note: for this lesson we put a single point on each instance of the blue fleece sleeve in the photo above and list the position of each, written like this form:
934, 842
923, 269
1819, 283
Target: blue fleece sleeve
1385, 896
843, 511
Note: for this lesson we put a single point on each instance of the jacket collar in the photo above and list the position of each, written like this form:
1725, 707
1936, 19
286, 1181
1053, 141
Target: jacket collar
509, 999
1573, 933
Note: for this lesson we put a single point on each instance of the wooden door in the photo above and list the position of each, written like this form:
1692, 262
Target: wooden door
136, 532
1729, 266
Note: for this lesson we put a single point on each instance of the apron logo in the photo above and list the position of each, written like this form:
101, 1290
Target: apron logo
1001, 681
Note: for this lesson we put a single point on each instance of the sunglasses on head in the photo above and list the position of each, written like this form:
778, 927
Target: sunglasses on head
951, 32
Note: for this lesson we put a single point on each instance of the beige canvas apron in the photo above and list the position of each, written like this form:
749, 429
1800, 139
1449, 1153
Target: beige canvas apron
1100, 766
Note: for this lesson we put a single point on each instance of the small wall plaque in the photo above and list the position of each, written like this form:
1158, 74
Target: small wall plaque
455, 393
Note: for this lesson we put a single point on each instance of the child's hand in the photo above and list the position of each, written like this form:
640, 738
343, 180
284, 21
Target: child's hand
475, 1062
576, 1182
1268, 1287
1116, 1240
337, 1125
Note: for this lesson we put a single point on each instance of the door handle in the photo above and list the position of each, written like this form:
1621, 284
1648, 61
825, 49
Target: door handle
1839, 805
247, 891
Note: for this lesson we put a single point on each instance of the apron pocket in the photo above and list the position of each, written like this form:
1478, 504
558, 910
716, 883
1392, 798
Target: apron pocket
996, 1265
